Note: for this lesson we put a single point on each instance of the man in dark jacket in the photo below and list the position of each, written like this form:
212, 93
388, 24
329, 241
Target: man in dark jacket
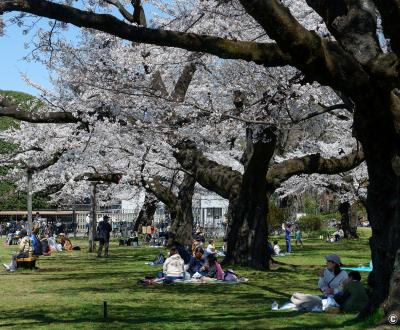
103, 232
354, 297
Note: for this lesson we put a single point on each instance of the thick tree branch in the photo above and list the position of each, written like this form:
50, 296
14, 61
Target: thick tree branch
213, 176
162, 193
319, 59
100, 177
9, 110
54, 159
182, 85
353, 24
310, 164
261, 53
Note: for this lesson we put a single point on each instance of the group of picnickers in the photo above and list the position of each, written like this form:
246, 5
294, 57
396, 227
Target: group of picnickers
35, 243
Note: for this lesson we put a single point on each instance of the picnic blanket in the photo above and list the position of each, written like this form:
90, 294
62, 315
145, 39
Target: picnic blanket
155, 281
359, 269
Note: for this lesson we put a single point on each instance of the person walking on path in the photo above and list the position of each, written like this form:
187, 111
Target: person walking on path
103, 232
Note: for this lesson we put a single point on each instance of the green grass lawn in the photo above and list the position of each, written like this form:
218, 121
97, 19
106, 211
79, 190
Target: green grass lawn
68, 291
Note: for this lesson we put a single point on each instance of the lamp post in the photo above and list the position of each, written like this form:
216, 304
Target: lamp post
29, 197
92, 233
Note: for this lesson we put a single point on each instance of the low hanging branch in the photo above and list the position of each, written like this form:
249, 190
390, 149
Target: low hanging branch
9, 110
54, 159
310, 164
262, 53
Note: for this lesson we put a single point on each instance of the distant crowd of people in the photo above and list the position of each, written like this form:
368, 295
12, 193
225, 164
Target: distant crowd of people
35, 242
46, 227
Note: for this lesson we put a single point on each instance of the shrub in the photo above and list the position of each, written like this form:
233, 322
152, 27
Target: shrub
310, 223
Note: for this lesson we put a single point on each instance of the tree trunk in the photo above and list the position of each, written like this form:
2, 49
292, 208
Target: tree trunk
182, 214
247, 230
348, 226
383, 201
146, 214
383, 206
392, 306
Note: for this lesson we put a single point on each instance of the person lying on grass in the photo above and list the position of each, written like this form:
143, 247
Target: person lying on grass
25, 250
174, 266
354, 296
332, 277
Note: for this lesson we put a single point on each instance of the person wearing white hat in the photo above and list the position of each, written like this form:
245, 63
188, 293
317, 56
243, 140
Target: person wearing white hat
332, 277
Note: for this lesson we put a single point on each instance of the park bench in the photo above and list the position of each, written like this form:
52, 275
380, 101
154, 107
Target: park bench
29, 262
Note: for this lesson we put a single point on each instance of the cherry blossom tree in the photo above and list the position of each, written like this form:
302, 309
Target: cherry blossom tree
342, 51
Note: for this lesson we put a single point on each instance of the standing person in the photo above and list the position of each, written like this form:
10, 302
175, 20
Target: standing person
103, 232
87, 225
288, 231
298, 236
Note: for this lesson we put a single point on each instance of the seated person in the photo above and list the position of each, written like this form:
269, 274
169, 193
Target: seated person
332, 277
195, 245
277, 249
25, 250
339, 234
10, 236
36, 245
354, 297
210, 247
65, 242
185, 255
196, 262
212, 268
45, 246
173, 267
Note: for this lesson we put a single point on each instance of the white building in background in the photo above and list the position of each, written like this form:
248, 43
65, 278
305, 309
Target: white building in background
209, 212
213, 210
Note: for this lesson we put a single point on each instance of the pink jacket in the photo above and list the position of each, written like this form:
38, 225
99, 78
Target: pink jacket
220, 273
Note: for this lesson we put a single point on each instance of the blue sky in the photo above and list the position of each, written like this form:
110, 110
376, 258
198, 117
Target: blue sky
12, 64
12, 52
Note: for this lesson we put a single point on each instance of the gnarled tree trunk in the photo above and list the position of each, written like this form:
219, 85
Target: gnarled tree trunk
379, 113
180, 208
247, 231
349, 227
146, 214
383, 207
392, 305
182, 214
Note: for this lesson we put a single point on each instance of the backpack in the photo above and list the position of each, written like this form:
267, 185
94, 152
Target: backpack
159, 260
230, 276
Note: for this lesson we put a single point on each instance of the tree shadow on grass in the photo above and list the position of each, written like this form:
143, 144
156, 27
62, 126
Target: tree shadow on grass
148, 316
